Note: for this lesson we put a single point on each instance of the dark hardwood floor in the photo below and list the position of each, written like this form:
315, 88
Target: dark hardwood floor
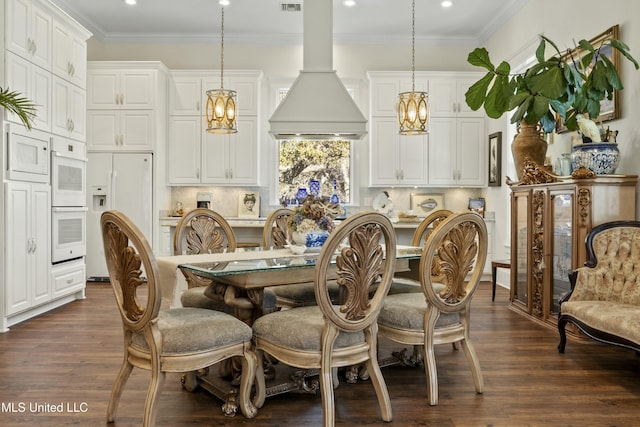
71, 356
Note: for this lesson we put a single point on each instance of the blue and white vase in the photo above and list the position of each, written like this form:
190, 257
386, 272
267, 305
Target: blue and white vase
311, 239
601, 158
314, 187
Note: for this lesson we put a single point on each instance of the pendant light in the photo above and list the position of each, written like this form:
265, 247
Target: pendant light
413, 107
221, 103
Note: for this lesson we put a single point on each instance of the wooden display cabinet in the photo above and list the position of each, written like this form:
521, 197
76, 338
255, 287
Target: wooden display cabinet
549, 225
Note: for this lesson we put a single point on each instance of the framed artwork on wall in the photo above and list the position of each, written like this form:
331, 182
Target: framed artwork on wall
249, 205
477, 205
495, 157
424, 204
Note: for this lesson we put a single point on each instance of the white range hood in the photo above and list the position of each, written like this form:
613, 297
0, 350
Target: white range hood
317, 105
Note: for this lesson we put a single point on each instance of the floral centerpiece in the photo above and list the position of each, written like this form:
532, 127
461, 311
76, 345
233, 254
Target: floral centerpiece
312, 221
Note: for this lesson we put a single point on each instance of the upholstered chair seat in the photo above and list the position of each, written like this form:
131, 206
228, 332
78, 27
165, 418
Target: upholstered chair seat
215, 329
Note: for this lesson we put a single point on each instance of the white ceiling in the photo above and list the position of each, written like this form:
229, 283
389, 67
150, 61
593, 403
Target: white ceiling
467, 22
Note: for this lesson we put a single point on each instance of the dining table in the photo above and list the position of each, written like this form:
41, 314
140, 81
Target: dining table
247, 272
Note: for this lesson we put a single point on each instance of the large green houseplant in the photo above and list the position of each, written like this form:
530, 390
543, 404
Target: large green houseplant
560, 84
566, 84
16, 103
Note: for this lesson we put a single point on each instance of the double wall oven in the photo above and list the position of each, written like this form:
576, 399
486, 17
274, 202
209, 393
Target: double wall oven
68, 200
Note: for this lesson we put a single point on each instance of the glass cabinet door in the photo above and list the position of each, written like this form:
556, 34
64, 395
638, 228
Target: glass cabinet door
520, 248
562, 252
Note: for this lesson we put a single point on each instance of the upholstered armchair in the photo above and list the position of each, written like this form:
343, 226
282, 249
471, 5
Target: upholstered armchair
604, 302
171, 340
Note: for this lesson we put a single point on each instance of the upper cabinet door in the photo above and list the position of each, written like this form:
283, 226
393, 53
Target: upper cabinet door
447, 97
28, 32
120, 89
69, 54
185, 95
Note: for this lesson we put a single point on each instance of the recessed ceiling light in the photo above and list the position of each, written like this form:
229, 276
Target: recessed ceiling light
224, 2
349, 3
130, 2
446, 3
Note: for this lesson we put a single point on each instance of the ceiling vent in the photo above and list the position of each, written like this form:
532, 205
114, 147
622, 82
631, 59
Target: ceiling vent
290, 7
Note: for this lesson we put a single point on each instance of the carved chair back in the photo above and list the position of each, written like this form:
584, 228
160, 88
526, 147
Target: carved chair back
366, 263
276, 231
459, 247
204, 231
128, 254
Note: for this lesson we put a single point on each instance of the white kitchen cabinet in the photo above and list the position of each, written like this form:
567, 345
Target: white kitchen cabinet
35, 83
457, 152
394, 159
385, 87
69, 112
68, 277
112, 89
69, 54
27, 240
447, 97
29, 31
121, 130
199, 157
187, 91
126, 106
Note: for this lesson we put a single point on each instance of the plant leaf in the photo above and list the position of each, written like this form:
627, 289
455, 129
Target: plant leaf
14, 102
480, 58
477, 93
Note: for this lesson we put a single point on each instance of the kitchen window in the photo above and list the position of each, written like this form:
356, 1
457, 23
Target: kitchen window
328, 161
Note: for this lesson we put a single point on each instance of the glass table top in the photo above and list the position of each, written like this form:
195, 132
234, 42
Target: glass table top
283, 259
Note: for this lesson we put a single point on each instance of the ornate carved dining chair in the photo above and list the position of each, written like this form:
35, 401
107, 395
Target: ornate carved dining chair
206, 231
459, 246
170, 340
276, 233
403, 283
331, 335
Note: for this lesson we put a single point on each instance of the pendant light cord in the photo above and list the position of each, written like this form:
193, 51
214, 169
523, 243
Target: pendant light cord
413, 46
222, 50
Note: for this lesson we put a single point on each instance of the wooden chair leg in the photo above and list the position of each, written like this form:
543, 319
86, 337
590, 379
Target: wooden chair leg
249, 369
261, 392
116, 392
151, 404
474, 365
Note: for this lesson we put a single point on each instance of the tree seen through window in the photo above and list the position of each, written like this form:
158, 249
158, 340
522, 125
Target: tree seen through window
324, 160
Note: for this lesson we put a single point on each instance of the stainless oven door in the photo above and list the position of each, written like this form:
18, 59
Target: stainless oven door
69, 240
68, 180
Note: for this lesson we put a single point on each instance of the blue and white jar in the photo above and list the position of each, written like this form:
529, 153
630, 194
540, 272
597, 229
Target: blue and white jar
601, 158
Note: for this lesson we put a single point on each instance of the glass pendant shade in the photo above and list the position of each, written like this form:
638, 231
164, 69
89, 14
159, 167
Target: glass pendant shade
221, 111
413, 113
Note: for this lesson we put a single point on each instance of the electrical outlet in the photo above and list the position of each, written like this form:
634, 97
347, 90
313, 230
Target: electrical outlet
368, 201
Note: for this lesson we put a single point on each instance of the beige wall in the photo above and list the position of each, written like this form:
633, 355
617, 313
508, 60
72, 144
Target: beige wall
350, 61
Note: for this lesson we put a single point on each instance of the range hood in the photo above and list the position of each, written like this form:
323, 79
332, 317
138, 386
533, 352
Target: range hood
318, 106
